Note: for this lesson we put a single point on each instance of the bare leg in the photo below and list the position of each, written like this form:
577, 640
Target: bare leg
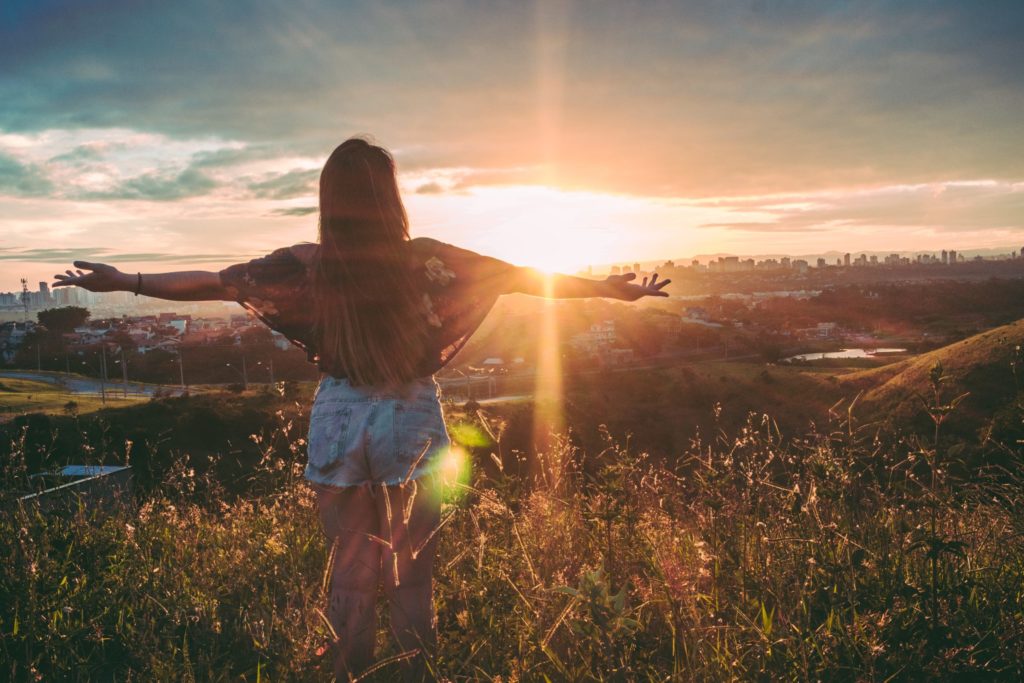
409, 518
349, 517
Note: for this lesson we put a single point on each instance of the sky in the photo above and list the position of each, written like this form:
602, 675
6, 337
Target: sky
190, 134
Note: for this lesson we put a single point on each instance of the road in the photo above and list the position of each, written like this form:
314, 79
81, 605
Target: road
77, 384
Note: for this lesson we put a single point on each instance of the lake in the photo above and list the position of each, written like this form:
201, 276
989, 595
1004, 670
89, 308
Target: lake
845, 353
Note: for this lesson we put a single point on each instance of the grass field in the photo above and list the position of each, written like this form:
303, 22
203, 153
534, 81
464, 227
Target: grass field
19, 396
842, 559
847, 552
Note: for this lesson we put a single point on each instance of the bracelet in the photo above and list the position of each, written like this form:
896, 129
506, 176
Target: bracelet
138, 286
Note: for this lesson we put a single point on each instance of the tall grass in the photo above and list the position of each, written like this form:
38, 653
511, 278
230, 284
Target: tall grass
846, 555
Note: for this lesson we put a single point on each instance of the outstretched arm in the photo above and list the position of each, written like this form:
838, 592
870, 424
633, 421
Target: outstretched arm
185, 285
495, 275
557, 286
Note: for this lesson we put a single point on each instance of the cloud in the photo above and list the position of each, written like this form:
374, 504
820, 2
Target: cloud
429, 188
44, 255
677, 99
295, 211
50, 254
79, 155
159, 187
234, 156
945, 207
22, 180
294, 183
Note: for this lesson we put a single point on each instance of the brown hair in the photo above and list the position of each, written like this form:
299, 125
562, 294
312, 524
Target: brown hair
368, 322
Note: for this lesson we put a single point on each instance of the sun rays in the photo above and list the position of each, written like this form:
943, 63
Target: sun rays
549, 415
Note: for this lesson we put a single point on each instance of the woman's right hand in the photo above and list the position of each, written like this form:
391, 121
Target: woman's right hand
621, 287
103, 278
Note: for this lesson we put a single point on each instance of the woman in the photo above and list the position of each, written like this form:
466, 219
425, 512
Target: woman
379, 313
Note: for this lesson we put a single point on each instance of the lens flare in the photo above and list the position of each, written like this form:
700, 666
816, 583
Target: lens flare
456, 473
548, 417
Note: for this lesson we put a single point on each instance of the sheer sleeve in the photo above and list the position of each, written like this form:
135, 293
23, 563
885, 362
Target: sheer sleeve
263, 279
275, 288
462, 287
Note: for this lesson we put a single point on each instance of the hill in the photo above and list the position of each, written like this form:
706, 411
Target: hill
982, 366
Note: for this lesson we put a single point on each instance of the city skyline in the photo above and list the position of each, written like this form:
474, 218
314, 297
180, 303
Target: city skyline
548, 134
44, 297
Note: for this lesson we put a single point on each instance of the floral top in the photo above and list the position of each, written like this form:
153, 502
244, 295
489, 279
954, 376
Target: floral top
459, 288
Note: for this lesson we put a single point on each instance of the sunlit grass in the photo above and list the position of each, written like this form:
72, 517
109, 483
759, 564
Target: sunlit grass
746, 560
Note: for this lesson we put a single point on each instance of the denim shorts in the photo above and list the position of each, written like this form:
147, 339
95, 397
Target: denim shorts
369, 435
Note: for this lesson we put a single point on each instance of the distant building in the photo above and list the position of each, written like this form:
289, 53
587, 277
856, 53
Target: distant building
600, 335
827, 329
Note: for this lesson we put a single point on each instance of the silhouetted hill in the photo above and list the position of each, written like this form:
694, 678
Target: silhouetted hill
981, 366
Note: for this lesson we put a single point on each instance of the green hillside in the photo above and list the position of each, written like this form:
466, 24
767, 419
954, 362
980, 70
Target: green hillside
981, 366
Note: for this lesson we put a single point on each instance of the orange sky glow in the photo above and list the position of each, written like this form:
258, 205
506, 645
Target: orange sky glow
552, 134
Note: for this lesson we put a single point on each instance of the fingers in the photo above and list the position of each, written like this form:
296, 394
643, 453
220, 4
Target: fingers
654, 286
627, 277
88, 265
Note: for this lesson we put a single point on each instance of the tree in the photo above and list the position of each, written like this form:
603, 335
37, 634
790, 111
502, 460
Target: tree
61, 320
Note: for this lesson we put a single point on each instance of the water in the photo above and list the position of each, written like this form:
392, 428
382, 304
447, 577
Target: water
845, 353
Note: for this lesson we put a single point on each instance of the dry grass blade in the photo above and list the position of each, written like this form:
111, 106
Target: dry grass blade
394, 659
416, 462
558, 622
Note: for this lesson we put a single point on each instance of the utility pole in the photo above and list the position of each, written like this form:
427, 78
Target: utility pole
103, 374
124, 372
181, 369
245, 375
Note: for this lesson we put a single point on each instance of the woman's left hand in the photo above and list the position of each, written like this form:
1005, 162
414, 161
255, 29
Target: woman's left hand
622, 288
103, 278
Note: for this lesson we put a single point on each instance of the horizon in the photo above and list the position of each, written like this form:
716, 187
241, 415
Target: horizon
703, 258
545, 135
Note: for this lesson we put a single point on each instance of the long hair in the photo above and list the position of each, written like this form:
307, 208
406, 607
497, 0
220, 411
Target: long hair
368, 321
